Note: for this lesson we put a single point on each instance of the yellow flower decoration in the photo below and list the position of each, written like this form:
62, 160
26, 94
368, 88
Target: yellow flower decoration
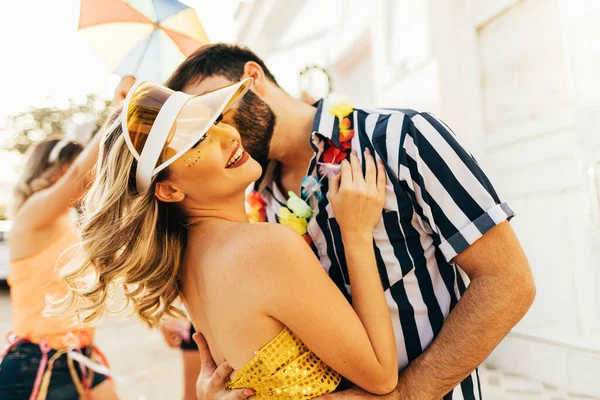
255, 216
341, 109
286, 217
256, 207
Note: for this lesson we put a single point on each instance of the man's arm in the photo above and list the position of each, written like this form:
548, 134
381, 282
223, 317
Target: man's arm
500, 293
455, 201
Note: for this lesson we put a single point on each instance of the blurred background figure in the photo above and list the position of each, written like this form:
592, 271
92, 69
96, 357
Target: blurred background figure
178, 334
123, 87
38, 362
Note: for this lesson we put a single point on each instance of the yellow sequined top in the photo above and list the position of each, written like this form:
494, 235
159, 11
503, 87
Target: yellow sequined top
286, 369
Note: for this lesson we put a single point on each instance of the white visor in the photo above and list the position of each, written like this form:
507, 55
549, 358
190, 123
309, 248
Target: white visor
160, 124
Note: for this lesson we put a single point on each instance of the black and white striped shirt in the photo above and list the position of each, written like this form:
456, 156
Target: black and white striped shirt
438, 202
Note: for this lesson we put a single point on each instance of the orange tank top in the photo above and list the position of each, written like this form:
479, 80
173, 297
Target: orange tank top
33, 278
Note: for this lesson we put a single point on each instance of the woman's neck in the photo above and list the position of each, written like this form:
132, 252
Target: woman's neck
232, 210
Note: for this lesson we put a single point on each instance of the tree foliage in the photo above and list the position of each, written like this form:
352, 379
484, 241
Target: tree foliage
36, 124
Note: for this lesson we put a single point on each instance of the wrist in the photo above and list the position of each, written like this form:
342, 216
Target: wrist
358, 236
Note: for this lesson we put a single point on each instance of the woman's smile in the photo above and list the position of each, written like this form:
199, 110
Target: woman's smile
238, 157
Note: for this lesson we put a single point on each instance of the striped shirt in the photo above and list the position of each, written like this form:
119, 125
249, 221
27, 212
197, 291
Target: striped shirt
438, 202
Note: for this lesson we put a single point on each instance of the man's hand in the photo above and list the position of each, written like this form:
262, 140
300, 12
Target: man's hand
123, 87
211, 381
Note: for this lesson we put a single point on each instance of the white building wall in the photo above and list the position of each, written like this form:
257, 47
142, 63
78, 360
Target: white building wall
519, 81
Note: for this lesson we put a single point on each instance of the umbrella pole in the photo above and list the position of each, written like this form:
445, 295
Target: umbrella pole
137, 67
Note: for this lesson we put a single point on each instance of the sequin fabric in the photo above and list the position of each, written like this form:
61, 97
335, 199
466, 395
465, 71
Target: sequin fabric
286, 369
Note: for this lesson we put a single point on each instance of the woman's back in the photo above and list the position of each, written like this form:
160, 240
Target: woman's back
26, 242
223, 294
219, 291
35, 276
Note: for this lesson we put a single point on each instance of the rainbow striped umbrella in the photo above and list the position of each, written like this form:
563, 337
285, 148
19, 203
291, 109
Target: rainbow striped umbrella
144, 38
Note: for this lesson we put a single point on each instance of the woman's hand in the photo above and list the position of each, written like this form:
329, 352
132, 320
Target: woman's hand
357, 201
122, 88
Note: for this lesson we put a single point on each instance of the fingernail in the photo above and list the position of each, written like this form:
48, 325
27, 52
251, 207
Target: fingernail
354, 153
368, 151
248, 392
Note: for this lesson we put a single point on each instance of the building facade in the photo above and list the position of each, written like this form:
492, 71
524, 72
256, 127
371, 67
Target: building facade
519, 82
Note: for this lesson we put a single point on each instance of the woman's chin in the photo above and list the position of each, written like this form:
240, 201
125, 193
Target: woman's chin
255, 169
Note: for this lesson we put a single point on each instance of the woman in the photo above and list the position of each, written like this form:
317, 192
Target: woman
165, 218
38, 364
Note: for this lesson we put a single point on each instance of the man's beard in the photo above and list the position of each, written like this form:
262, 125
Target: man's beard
255, 121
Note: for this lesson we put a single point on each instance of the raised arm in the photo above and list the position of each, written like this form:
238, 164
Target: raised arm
358, 343
44, 206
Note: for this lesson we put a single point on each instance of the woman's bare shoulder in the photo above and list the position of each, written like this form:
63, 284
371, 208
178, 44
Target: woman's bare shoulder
265, 245
265, 237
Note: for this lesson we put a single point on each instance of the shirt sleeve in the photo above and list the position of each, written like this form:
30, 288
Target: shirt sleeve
451, 194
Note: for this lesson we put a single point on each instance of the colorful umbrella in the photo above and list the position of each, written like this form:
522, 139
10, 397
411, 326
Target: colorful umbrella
144, 38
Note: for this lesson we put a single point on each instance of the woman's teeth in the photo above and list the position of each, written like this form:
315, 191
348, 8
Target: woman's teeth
236, 157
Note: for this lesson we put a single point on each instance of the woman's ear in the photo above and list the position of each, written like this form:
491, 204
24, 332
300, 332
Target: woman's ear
255, 71
168, 193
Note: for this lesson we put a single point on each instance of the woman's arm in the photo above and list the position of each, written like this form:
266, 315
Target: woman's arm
357, 203
46, 205
358, 343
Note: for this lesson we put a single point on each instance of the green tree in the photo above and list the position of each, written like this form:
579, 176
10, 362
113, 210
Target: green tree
37, 123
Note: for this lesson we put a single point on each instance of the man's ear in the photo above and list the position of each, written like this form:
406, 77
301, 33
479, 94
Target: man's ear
255, 71
168, 193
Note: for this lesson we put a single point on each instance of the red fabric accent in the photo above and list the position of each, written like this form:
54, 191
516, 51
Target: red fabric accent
308, 239
334, 155
95, 12
103, 360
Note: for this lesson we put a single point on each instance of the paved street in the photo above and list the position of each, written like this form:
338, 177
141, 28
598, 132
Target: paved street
146, 368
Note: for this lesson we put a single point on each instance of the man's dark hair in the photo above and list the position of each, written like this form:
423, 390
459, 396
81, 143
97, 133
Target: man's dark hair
227, 60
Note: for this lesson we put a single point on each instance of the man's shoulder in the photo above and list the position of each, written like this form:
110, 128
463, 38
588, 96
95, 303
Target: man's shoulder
406, 120
396, 112
401, 118
394, 124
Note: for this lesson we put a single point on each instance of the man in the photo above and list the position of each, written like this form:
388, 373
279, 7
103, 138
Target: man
442, 226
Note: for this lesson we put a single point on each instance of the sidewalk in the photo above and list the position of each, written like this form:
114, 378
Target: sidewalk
146, 369
500, 385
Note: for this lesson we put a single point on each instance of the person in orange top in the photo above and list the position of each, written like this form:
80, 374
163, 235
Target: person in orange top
38, 362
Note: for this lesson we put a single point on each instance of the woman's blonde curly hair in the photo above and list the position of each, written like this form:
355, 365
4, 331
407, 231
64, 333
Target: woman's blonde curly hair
127, 238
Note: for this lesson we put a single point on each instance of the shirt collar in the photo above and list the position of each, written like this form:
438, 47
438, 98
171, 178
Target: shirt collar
326, 124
